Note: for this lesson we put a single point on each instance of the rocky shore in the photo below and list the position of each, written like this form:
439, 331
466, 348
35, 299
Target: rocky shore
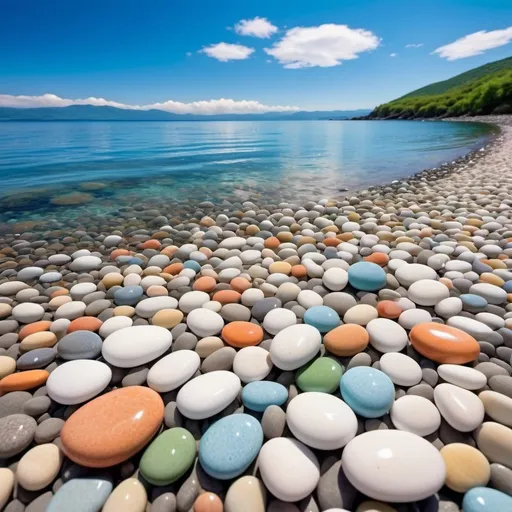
351, 354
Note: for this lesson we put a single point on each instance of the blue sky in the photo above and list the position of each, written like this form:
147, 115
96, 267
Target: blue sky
145, 52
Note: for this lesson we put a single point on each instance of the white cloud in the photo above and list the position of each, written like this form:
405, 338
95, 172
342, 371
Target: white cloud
225, 51
475, 44
257, 27
393, 54
323, 46
413, 45
205, 107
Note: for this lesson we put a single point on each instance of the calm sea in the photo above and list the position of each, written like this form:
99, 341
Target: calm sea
195, 161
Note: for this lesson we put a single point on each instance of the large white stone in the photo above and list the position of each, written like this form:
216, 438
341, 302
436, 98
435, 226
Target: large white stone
409, 274
149, 307
208, 394
415, 414
426, 292
321, 421
136, 345
278, 319
469, 325
393, 466
462, 376
85, 263
387, 335
335, 279
294, 346
490, 292
462, 409
77, 381
401, 369
28, 312
173, 370
288, 468
205, 322
193, 300
114, 324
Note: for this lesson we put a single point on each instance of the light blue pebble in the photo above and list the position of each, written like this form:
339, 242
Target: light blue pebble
367, 391
257, 396
125, 258
128, 296
81, 495
194, 265
473, 301
484, 499
229, 446
323, 318
136, 261
508, 286
366, 276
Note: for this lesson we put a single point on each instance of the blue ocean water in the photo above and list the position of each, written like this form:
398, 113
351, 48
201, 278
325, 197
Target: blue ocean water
196, 161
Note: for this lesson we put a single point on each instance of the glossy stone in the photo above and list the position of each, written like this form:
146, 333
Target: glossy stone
22, 381
113, 427
36, 359
230, 445
346, 340
246, 494
393, 466
322, 375
259, 395
168, 457
368, 392
366, 276
80, 345
81, 495
322, 318
444, 344
484, 499
16, 433
128, 496
242, 334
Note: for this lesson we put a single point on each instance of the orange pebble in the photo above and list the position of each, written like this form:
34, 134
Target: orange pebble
22, 381
58, 293
240, 284
170, 250
346, 340
242, 334
42, 325
157, 291
388, 309
272, 242
151, 244
85, 323
332, 242
119, 252
227, 296
205, 284
299, 271
380, 258
447, 282
173, 268
208, 502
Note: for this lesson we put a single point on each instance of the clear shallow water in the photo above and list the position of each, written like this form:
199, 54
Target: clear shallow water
138, 162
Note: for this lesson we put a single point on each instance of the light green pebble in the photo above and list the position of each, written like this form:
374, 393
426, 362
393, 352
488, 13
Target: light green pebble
322, 375
168, 457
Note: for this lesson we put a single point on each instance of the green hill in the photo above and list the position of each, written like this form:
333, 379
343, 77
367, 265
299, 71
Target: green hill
480, 91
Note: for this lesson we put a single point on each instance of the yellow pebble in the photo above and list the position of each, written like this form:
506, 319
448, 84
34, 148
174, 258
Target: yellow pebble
112, 279
167, 318
124, 311
280, 267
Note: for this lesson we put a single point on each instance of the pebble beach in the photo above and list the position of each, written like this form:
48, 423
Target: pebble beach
349, 354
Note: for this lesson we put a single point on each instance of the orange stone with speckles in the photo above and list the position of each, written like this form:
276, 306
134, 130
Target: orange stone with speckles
388, 309
240, 284
27, 330
113, 427
85, 323
272, 242
119, 252
346, 340
242, 334
205, 284
208, 502
151, 244
22, 381
443, 343
227, 296
380, 258
174, 268
299, 271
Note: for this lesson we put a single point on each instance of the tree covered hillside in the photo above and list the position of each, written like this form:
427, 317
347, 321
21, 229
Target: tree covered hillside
480, 95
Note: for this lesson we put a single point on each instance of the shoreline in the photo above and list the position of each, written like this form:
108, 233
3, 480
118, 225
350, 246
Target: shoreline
268, 348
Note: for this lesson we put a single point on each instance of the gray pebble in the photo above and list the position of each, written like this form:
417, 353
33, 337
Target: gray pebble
491, 369
188, 492
487, 348
12, 403
166, 502
221, 359
48, 430
36, 406
361, 359
430, 376
235, 312
79, 345
334, 490
501, 478
135, 377
41, 503
15, 506
273, 422
263, 306
35, 359
8, 340
424, 390
186, 341
502, 384
450, 435
16, 433
172, 416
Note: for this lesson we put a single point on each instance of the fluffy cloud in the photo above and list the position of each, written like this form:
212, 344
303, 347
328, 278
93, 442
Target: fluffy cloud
475, 44
323, 46
393, 54
225, 51
257, 27
206, 107
418, 45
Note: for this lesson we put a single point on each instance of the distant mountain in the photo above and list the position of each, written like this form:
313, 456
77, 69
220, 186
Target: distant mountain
480, 91
91, 113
